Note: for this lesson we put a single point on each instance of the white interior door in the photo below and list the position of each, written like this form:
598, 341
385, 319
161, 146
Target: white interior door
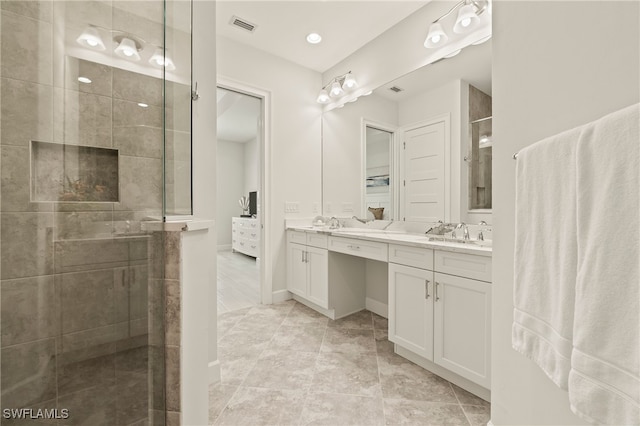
424, 173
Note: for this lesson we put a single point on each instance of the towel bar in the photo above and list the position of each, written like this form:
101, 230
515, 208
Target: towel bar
515, 156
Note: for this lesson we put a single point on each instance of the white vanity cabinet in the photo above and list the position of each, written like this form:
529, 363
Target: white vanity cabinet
442, 317
307, 267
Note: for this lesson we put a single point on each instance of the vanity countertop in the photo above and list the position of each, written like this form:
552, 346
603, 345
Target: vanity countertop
396, 237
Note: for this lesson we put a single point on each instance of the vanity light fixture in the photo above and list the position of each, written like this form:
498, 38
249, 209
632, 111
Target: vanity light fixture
128, 48
337, 87
467, 18
90, 38
159, 59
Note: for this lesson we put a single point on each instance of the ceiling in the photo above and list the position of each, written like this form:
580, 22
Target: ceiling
282, 26
238, 116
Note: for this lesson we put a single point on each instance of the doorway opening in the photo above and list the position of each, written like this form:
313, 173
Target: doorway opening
240, 218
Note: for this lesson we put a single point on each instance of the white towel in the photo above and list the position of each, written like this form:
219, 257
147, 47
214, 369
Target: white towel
546, 254
604, 383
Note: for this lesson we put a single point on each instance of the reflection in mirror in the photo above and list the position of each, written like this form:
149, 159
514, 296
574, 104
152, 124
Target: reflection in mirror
378, 193
480, 164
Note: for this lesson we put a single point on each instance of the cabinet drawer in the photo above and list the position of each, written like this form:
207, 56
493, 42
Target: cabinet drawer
361, 248
317, 240
411, 256
298, 237
463, 265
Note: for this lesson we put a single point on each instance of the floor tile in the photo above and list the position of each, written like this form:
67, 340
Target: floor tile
302, 338
360, 320
347, 373
349, 340
477, 415
338, 409
467, 398
282, 369
219, 396
303, 315
237, 361
257, 406
404, 412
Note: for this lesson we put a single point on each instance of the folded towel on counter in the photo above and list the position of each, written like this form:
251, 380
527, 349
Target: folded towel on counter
604, 383
546, 254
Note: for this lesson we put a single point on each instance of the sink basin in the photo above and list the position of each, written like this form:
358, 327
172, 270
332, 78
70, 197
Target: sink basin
479, 243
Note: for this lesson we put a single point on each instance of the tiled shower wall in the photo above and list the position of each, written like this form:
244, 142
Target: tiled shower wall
79, 292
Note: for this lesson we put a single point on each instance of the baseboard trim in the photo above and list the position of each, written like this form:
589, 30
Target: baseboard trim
214, 372
280, 296
377, 307
224, 247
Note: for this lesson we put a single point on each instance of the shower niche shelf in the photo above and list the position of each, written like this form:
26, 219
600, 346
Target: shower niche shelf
73, 173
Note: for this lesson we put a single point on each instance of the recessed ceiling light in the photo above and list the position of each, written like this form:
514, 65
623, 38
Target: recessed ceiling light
314, 38
85, 80
142, 105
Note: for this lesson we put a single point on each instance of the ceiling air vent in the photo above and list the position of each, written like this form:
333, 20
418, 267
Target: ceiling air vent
396, 89
242, 23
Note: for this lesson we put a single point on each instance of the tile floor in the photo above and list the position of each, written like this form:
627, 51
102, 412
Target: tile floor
238, 281
286, 364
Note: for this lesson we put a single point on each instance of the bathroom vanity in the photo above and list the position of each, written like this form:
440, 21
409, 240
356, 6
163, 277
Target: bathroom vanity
439, 293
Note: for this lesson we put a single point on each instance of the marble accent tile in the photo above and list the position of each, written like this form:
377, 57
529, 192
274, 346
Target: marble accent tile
156, 311
173, 418
40, 10
82, 375
93, 406
349, 340
477, 415
156, 377
403, 412
282, 369
172, 312
237, 361
380, 323
339, 409
28, 310
227, 320
15, 180
348, 373
26, 244
219, 396
87, 299
87, 119
172, 378
467, 398
140, 184
26, 48
137, 87
26, 111
138, 141
257, 406
100, 75
303, 315
401, 379
28, 373
360, 320
303, 338
172, 241
138, 292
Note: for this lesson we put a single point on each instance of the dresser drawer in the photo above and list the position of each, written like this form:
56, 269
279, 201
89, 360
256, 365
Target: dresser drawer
297, 237
411, 256
317, 240
463, 265
361, 248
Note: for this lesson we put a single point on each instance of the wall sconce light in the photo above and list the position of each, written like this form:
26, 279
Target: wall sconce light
90, 38
338, 86
159, 60
468, 17
128, 48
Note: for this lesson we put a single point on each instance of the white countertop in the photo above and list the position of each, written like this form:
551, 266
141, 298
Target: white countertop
396, 237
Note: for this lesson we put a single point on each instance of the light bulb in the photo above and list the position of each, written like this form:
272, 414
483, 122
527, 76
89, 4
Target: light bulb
436, 36
91, 42
128, 49
435, 39
466, 17
159, 60
91, 38
465, 22
350, 82
336, 90
323, 97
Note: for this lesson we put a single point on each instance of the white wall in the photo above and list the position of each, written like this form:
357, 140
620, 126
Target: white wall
426, 105
295, 135
230, 187
343, 174
251, 166
556, 65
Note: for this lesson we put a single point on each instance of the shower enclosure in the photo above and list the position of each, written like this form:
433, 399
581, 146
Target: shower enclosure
95, 152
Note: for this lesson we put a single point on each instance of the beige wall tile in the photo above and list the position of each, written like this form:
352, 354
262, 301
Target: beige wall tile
26, 112
88, 299
40, 10
26, 244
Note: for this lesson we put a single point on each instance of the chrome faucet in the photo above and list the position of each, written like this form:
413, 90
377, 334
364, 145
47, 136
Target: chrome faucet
480, 234
465, 231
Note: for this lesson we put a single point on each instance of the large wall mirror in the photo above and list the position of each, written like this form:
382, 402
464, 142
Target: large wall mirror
437, 139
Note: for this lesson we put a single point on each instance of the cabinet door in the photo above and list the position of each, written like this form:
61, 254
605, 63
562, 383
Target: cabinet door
463, 327
296, 269
411, 309
318, 276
